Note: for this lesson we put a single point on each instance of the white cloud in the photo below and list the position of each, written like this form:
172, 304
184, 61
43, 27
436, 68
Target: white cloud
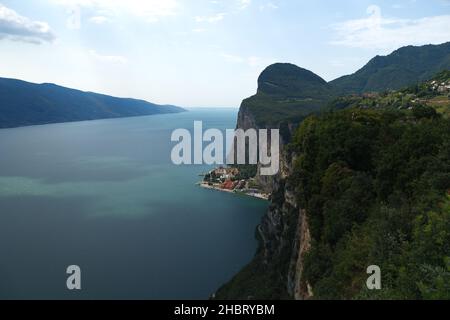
244, 4
107, 58
19, 28
211, 19
228, 8
152, 10
378, 32
268, 6
99, 19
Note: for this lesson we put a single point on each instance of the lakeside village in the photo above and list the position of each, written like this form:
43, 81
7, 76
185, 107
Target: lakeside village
234, 180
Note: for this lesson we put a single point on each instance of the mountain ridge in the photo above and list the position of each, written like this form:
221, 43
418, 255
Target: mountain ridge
25, 103
285, 79
409, 65
288, 93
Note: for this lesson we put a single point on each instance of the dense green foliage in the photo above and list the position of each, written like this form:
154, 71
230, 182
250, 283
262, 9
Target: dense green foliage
23, 103
246, 171
270, 111
374, 183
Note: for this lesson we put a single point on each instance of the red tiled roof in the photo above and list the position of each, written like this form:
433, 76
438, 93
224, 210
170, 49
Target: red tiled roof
229, 185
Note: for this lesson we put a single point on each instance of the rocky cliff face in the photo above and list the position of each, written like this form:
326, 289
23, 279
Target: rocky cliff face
284, 230
285, 233
246, 120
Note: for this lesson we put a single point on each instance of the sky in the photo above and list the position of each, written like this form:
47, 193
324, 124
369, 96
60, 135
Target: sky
203, 53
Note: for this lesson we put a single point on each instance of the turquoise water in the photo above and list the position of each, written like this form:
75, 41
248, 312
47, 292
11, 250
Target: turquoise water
104, 195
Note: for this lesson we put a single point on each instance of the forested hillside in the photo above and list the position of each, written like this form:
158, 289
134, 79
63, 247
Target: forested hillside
23, 103
366, 182
375, 184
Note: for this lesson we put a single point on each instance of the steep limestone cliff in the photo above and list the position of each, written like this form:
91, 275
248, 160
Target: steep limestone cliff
283, 232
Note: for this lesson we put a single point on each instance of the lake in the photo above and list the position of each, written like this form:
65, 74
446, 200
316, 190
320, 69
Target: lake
104, 195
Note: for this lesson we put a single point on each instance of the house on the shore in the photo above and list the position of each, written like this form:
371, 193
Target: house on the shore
226, 173
229, 185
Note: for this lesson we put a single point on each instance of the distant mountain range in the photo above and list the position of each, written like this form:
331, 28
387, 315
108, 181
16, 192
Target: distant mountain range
23, 103
287, 92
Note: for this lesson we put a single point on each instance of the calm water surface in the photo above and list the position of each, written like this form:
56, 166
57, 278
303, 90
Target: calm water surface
104, 195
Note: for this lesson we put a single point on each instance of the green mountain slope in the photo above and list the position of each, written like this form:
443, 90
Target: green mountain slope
289, 81
23, 103
405, 66
288, 93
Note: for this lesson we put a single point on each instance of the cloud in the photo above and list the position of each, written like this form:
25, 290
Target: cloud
228, 8
244, 4
109, 59
19, 28
211, 19
99, 19
378, 32
151, 10
268, 6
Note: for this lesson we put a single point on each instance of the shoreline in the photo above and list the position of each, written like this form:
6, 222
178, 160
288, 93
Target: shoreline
260, 196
